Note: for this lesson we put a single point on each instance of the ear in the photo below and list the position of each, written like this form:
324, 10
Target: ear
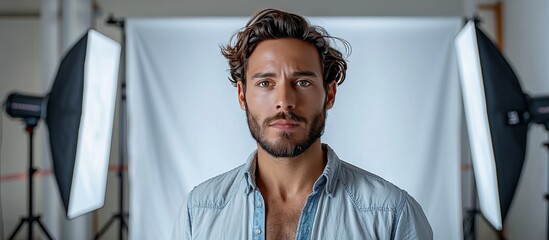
241, 95
331, 94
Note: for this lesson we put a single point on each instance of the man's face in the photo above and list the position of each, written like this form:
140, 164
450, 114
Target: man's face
285, 100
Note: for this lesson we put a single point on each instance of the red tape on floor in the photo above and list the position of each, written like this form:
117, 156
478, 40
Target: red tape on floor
47, 172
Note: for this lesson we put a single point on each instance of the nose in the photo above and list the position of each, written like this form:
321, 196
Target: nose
285, 97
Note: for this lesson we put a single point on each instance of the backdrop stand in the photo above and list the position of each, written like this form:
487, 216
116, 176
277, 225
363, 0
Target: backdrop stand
31, 218
121, 215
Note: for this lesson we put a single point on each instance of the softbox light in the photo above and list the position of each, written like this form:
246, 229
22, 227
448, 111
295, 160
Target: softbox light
498, 114
79, 115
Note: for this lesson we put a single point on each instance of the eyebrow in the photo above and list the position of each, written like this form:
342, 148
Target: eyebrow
263, 75
295, 74
304, 74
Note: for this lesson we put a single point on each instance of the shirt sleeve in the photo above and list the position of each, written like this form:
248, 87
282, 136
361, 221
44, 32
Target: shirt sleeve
411, 222
182, 227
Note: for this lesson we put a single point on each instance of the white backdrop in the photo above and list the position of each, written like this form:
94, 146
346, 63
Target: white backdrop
397, 114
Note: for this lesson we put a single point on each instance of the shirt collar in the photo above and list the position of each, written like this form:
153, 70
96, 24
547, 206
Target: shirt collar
249, 173
331, 171
328, 176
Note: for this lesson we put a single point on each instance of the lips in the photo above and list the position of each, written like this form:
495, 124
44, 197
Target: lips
284, 124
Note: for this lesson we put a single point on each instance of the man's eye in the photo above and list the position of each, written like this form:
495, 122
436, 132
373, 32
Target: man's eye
263, 84
303, 83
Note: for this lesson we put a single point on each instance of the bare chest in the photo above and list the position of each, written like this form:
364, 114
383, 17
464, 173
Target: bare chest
282, 219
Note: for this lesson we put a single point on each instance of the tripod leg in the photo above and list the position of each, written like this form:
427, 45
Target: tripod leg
104, 229
43, 229
12, 236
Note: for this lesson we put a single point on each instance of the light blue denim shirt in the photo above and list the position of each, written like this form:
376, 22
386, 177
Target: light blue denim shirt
346, 202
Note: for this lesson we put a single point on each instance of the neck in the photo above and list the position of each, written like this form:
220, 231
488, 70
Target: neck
287, 177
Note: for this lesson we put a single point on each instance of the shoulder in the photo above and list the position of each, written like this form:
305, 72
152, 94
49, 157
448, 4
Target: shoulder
369, 191
216, 192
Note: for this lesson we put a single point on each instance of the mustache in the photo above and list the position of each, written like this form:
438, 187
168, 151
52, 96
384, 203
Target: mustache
285, 115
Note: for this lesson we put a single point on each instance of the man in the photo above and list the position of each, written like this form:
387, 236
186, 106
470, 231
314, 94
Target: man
293, 186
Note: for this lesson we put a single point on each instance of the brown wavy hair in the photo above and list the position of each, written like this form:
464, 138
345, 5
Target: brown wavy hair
274, 24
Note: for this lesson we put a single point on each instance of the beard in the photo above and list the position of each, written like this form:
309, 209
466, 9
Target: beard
287, 145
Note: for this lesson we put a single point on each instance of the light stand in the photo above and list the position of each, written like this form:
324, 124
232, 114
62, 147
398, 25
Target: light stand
546, 144
121, 215
538, 112
31, 218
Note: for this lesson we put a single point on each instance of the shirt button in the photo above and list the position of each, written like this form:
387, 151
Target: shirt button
259, 204
258, 231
